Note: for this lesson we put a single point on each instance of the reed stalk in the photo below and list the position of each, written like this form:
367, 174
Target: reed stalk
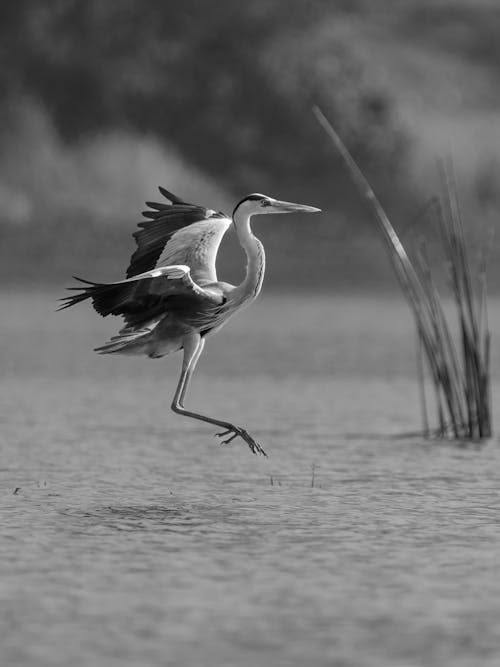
458, 366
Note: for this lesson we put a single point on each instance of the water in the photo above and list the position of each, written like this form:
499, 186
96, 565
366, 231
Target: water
130, 537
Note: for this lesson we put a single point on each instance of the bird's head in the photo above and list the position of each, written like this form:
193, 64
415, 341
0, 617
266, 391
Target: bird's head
257, 204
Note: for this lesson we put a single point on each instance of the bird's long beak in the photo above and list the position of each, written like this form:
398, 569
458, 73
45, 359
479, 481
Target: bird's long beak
289, 207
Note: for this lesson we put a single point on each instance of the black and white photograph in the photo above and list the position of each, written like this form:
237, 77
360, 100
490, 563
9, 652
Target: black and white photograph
249, 333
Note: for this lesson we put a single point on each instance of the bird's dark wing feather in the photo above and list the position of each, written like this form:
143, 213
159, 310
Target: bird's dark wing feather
179, 233
144, 296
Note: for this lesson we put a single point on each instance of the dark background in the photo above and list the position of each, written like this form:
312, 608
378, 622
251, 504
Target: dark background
102, 101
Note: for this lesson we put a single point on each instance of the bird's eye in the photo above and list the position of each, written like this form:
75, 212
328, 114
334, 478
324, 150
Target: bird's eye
266, 202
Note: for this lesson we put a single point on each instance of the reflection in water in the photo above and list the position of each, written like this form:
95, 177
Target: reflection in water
145, 518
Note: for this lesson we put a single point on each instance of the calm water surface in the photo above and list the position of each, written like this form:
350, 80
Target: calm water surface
130, 537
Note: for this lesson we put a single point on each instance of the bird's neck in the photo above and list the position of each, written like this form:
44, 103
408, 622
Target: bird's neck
256, 260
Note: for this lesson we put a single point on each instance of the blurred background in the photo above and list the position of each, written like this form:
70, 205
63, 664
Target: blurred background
103, 101
129, 536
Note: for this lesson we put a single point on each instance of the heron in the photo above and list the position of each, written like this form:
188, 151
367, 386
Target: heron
171, 298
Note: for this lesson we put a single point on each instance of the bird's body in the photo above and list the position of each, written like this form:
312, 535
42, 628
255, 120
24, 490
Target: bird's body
171, 298
204, 314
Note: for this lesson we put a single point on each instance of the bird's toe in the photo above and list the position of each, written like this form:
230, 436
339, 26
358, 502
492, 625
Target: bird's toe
234, 432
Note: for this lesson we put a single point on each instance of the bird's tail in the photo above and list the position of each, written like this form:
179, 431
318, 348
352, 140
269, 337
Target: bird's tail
130, 340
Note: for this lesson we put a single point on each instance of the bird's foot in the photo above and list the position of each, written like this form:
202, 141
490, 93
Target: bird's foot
234, 432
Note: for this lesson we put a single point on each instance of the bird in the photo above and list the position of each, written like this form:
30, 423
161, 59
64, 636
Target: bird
171, 298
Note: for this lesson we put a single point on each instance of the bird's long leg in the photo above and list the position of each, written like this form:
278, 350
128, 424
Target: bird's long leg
193, 347
192, 359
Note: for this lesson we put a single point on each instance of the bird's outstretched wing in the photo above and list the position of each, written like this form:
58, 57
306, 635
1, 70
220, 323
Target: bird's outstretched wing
143, 296
179, 233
